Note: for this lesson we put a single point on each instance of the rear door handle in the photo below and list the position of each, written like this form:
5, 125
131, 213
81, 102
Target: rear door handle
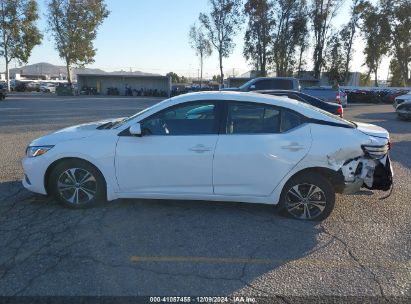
293, 147
200, 149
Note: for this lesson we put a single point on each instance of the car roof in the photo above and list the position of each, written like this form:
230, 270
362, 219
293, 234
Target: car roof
277, 91
287, 78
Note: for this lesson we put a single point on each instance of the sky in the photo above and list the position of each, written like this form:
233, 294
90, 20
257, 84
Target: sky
152, 36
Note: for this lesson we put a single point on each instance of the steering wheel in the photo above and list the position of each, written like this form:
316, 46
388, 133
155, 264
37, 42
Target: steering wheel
163, 125
159, 126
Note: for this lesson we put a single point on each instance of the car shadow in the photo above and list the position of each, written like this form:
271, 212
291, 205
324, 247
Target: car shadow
143, 247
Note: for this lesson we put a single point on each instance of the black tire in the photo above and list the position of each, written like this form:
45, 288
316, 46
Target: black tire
322, 204
64, 187
403, 117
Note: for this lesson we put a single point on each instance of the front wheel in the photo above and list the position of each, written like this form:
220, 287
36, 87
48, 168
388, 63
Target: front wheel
77, 184
308, 196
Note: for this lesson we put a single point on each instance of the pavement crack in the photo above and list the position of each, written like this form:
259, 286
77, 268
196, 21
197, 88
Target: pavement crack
358, 261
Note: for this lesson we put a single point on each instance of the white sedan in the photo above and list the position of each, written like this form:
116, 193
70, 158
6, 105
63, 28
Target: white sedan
219, 146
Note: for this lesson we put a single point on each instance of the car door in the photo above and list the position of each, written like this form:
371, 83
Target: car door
261, 144
174, 154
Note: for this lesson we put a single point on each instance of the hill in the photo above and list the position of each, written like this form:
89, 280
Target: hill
55, 71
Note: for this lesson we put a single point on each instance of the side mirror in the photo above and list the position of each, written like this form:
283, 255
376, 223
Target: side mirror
252, 87
135, 130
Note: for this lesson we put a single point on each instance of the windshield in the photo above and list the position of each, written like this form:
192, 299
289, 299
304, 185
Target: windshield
125, 120
247, 84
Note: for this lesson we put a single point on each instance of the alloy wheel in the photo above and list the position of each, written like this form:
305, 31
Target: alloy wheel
77, 186
305, 201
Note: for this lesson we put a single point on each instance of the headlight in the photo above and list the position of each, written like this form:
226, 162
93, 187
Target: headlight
37, 151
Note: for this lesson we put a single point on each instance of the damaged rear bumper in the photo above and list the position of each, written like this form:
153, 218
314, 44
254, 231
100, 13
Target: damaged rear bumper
371, 173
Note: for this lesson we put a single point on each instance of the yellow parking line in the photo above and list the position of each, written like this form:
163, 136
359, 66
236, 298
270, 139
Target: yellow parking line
299, 262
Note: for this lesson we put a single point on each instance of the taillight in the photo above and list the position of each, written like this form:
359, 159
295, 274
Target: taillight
338, 97
340, 111
376, 152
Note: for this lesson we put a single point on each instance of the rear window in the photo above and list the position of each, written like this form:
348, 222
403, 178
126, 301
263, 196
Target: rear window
342, 120
278, 84
269, 83
312, 100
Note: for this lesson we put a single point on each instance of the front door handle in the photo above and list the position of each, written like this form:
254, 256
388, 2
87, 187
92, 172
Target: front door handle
200, 149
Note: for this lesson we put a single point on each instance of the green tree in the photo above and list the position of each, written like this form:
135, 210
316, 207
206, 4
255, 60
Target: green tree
202, 46
18, 31
401, 37
174, 77
348, 33
259, 33
183, 79
221, 24
322, 12
217, 78
376, 31
289, 25
365, 80
396, 79
74, 25
334, 56
301, 33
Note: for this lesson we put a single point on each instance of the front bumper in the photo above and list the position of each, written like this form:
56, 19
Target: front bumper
373, 174
404, 111
34, 172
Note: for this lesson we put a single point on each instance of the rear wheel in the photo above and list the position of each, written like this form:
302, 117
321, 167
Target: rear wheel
77, 184
308, 196
403, 117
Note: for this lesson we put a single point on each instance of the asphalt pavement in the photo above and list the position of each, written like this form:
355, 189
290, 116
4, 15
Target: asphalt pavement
166, 248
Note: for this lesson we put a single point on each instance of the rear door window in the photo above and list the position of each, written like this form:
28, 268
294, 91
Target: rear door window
289, 120
251, 118
248, 118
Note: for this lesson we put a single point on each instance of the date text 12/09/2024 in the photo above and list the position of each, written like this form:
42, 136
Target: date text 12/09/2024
238, 299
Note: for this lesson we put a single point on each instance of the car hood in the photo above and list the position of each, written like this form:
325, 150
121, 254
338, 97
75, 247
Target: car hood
405, 103
372, 130
404, 97
71, 133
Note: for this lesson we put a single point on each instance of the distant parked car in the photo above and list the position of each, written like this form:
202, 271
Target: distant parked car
364, 96
392, 94
328, 93
3, 92
48, 88
333, 108
400, 99
27, 87
404, 110
268, 83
